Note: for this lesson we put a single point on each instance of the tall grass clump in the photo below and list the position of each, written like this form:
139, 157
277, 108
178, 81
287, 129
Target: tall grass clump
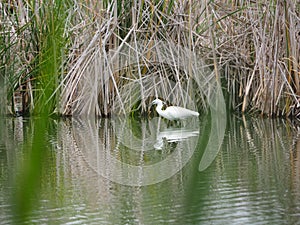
258, 47
121, 59
33, 44
52, 42
73, 53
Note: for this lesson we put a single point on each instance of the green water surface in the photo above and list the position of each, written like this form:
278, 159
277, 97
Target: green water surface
75, 171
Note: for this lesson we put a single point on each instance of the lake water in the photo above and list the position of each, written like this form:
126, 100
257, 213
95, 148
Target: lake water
132, 171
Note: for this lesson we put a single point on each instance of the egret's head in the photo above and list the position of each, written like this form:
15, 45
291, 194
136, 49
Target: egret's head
157, 102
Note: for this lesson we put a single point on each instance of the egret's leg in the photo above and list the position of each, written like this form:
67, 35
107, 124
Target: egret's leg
174, 123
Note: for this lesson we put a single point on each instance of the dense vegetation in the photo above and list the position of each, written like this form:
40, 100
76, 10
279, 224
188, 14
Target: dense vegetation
55, 55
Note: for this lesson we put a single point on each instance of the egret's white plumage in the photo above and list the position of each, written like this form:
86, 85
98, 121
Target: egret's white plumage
173, 112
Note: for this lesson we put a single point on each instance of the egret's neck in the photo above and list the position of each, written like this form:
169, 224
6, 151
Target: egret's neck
159, 106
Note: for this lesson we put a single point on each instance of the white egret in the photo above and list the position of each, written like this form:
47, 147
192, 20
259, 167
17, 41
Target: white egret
172, 112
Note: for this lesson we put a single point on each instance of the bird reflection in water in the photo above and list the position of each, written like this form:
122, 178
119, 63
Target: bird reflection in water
173, 135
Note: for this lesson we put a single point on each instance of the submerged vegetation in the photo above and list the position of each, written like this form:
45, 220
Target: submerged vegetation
65, 57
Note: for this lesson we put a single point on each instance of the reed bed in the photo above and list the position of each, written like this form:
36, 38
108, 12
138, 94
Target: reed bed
103, 57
